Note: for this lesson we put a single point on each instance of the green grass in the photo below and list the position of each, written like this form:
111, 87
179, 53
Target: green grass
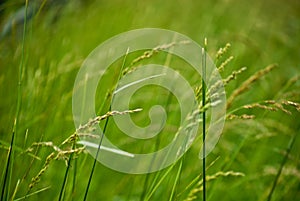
54, 46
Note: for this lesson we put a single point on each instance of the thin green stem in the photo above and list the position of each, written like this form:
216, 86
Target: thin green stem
288, 150
95, 160
104, 130
66, 174
204, 119
157, 142
10, 161
74, 180
3, 197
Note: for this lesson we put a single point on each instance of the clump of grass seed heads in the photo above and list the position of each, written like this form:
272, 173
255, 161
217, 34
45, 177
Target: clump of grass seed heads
60, 154
222, 51
46, 165
193, 194
211, 92
233, 75
57, 155
97, 119
273, 105
246, 84
225, 63
268, 105
150, 53
243, 116
43, 144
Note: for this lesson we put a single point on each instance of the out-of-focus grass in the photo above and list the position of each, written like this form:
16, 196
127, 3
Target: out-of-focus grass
261, 32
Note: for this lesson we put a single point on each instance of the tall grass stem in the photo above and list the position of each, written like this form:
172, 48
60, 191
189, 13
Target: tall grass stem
66, 174
10, 159
104, 129
95, 160
288, 150
204, 117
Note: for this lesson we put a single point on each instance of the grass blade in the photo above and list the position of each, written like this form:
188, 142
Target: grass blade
116, 151
15, 191
176, 180
138, 81
34, 193
158, 183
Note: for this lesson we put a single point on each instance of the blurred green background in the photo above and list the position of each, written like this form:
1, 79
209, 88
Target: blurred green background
61, 34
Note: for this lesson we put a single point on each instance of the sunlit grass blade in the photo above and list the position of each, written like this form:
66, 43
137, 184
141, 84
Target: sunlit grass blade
177, 178
116, 151
15, 191
136, 82
33, 193
158, 183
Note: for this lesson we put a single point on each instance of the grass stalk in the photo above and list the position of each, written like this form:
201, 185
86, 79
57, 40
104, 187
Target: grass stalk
204, 117
3, 192
104, 130
157, 143
74, 180
288, 150
66, 174
10, 159
95, 160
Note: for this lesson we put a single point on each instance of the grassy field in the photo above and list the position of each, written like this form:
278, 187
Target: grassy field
254, 155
